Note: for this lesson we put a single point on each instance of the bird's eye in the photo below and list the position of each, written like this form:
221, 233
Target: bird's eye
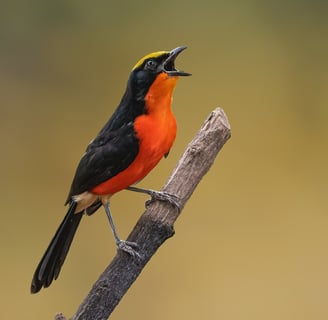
151, 65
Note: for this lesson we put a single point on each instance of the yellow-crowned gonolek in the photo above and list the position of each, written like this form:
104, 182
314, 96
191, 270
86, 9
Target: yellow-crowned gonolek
136, 137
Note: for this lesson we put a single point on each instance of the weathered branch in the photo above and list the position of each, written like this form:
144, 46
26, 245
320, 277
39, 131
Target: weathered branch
156, 224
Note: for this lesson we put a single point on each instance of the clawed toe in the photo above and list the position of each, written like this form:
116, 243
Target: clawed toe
164, 196
158, 195
128, 247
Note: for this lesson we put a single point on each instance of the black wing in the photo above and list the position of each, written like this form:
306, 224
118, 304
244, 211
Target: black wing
115, 147
110, 153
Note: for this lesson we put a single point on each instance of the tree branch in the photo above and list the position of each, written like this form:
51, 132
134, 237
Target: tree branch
156, 224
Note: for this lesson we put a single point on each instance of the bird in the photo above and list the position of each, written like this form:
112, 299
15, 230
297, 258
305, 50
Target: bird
140, 132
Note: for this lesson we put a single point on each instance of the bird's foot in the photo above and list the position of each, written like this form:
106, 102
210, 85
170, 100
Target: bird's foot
158, 195
128, 247
164, 196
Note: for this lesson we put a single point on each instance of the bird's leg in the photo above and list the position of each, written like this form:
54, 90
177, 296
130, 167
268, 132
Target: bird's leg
158, 195
126, 246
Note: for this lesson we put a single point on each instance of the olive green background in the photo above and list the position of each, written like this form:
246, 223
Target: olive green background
252, 241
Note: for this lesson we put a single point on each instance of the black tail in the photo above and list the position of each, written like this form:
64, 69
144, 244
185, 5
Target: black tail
54, 257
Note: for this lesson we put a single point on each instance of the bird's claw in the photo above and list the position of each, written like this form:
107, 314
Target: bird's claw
128, 247
164, 196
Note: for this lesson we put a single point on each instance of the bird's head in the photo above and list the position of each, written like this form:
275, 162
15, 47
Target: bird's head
159, 66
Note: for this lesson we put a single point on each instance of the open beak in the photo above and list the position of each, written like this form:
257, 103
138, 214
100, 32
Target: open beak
168, 65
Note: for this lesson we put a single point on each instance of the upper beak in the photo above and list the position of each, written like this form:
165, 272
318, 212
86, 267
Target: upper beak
168, 65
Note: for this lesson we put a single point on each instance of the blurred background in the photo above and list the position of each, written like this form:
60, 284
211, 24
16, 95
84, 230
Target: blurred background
252, 241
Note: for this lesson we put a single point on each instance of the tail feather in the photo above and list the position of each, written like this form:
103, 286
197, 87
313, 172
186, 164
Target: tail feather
54, 257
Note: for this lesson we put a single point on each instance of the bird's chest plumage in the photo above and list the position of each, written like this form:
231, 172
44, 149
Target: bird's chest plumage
156, 134
156, 130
